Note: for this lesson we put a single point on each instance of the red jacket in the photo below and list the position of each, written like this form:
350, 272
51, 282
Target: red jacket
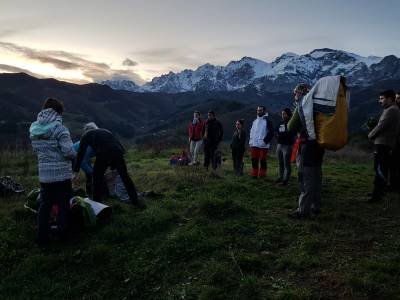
196, 131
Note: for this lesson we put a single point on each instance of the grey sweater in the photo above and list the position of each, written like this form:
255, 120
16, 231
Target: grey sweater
388, 129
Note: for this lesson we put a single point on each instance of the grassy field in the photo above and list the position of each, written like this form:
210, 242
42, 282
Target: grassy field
210, 236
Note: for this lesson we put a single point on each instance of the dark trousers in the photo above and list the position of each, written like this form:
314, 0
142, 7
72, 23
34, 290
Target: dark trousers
54, 193
394, 170
89, 184
382, 159
117, 162
284, 154
309, 167
209, 154
237, 159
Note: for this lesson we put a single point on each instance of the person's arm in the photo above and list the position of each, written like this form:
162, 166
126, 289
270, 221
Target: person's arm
81, 152
270, 132
251, 136
221, 132
65, 143
204, 130
86, 165
189, 132
385, 122
294, 123
243, 138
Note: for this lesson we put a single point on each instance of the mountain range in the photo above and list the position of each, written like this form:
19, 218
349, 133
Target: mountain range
281, 75
161, 109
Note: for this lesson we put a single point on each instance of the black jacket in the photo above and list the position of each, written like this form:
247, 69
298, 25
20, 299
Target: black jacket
239, 140
283, 136
213, 132
103, 143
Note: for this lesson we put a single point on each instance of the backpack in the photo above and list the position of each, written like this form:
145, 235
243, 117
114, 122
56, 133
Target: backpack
324, 112
331, 129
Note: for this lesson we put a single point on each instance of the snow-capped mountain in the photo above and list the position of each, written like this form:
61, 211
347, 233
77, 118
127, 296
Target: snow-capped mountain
126, 85
280, 75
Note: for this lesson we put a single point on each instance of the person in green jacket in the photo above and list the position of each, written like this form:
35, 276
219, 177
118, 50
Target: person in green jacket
309, 163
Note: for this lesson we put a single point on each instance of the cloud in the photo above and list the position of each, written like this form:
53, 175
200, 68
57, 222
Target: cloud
129, 63
177, 58
95, 71
13, 69
15, 26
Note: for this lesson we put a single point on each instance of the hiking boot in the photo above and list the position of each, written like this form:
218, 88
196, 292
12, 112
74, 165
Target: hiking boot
283, 183
296, 215
278, 180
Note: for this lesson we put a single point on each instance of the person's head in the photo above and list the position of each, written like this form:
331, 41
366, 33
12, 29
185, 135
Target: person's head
89, 126
211, 115
54, 104
301, 90
196, 115
286, 114
239, 124
387, 98
398, 98
260, 110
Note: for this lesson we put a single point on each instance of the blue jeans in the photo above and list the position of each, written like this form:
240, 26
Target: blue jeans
53, 193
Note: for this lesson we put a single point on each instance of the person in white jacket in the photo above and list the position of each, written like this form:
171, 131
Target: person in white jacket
261, 134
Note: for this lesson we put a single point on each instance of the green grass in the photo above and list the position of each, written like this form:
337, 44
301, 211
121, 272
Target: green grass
211, 236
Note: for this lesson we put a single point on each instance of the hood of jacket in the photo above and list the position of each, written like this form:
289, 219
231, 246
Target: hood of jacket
46, 120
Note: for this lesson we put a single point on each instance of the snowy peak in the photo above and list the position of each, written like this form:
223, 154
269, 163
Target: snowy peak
123, 84
278, 75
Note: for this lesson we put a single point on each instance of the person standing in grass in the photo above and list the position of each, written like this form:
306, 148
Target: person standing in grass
52, 144
384, 135
285, 140
195, 137
109, 153
261, 134
309, 162
238, 146
395, 164
213, 133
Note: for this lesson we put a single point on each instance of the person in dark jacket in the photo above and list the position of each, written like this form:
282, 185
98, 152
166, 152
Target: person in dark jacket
213, 133
384, 135
394, 176
109, 153
195, 137
238, 145
285, 140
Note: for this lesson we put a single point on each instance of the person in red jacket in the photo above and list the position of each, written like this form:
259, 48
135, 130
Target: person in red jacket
195, 137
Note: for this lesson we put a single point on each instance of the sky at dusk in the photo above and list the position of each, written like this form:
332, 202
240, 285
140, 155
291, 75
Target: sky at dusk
86, 41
